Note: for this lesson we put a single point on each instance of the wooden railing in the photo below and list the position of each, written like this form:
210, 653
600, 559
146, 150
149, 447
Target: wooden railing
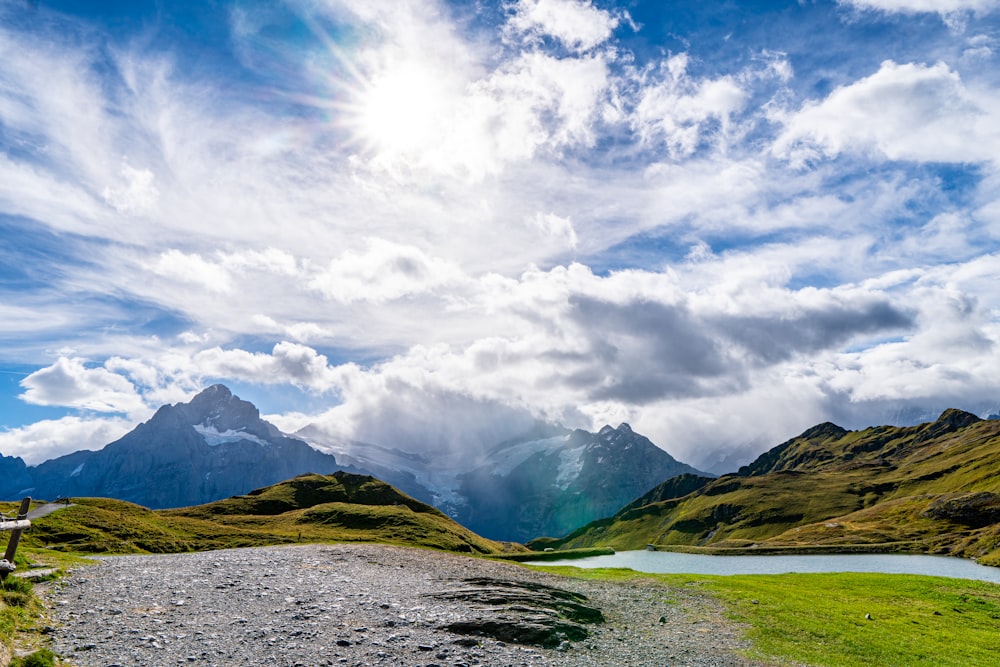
16, 526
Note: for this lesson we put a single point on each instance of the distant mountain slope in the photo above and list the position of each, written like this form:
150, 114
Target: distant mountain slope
564, 482
189, 453
339, 507
928, 488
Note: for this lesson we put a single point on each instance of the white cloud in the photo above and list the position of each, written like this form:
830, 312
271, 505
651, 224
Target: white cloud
287, 363
917, 6
673, 108
904, 112
69, 382
556, 227
577, 24
52, 438
137, 194
383, 272
477, 163
194, 269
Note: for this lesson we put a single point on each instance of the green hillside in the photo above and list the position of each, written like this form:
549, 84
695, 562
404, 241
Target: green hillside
308, 508
932, 488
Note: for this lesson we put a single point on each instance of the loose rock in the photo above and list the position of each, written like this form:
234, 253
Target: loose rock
297, 605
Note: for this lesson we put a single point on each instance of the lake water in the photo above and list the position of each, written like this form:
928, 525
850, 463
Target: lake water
678, 563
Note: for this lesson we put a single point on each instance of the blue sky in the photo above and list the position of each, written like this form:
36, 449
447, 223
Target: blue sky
427, 224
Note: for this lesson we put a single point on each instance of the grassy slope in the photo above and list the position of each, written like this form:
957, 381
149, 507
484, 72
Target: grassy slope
819, 619
339, 507
875, 489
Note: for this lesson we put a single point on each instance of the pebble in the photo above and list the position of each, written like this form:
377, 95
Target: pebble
289, 606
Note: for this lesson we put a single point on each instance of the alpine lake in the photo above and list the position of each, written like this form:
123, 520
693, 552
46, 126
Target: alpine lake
668, 562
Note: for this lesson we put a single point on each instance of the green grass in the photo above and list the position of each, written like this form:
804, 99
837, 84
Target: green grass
881, 489
40, 658
563, 554
820, 619
308, 508
19, 608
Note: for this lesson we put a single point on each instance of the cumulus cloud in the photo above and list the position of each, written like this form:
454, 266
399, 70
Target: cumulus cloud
51, 438
436, 421
383, 272
288, 363
409, 199
69, 382
583, 350
577, 24
673, 108
903, 111
192, 268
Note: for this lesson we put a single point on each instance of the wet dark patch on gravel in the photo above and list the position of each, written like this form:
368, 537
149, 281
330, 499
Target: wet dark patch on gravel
522, 612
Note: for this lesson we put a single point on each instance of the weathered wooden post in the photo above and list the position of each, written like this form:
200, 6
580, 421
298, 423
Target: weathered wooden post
16, 527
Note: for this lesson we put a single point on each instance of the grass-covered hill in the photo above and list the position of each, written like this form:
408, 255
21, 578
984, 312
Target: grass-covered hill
932, 488
308, 508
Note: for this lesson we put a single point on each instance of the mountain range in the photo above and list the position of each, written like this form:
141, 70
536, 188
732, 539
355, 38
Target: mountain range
930, 488
548, 482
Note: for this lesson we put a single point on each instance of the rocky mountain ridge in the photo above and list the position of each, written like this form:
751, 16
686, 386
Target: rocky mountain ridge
564, 479
549, 481
186, 454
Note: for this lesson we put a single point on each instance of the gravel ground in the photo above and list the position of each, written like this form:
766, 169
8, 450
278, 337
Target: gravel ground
355, 605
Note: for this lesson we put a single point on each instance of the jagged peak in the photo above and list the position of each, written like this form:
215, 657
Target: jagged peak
216, 391
951, 420
957, 418
824, 430
623, 429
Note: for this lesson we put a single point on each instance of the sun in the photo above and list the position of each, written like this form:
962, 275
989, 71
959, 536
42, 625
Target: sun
402, 111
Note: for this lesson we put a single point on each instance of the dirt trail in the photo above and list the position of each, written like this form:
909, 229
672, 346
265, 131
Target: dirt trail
360, 605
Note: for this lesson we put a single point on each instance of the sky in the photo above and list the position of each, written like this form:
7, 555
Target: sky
428, 224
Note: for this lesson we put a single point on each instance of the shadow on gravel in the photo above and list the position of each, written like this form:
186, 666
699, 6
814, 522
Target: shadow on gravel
522, 612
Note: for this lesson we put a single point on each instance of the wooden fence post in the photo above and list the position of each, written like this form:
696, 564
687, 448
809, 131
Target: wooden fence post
16, 527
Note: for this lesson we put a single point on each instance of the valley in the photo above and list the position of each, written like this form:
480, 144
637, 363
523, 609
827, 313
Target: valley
931, 488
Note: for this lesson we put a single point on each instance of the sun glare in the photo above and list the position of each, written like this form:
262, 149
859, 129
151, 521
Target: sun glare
402, 111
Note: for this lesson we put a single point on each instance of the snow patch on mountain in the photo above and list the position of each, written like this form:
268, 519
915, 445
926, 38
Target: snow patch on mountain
570, 465
503, 460
214, 437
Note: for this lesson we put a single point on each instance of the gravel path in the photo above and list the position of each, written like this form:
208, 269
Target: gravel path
355, 605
